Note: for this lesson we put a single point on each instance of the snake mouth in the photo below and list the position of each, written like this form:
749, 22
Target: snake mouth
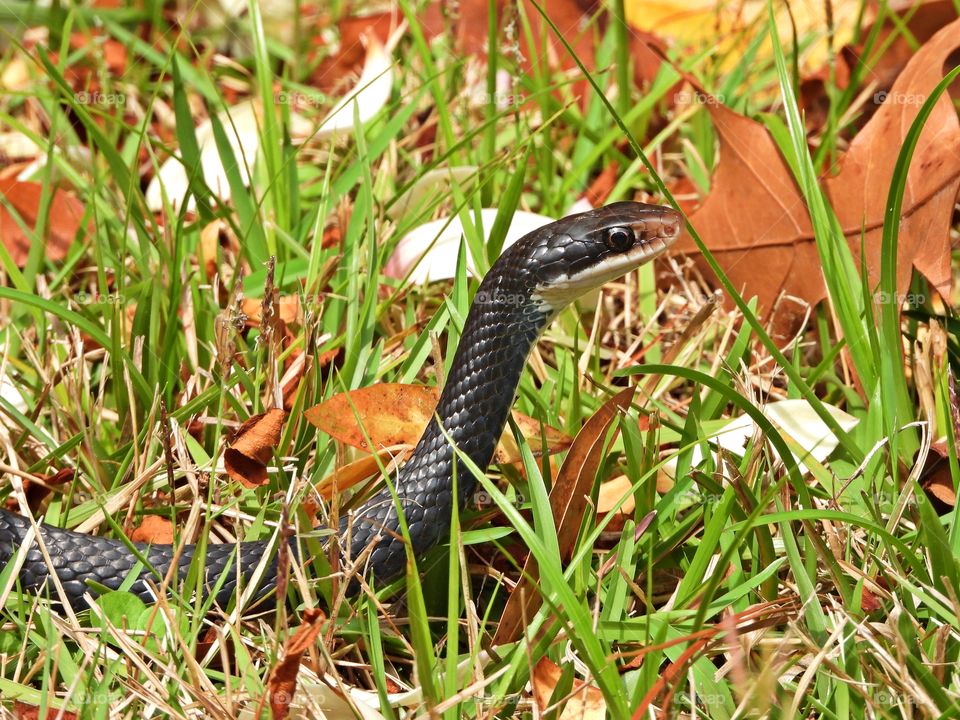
657, 234
654, 230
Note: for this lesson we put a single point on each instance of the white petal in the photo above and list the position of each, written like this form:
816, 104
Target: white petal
10, 393
240, 123
433, 183
429, 253
369, 95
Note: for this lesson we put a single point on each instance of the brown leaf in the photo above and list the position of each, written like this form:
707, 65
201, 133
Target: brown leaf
359, 470
396, 414
921, 19
776, 233
602, 185
292, 376
869, 602
936, 478
585, 702
288, 310
859, 191
153, 529
62, 226
349, 59
609, 495
37, 492
253, 447
283, 678
23, 711
568, 500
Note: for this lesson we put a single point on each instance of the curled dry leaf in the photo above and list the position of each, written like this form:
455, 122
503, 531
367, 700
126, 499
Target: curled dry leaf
396, 414
429, 252
431, 185
283, 678
368, 97
153, 529
584, 702
62, 226
568, 500
246, 459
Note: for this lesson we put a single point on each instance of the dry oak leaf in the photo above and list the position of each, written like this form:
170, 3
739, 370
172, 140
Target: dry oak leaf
859, 191
921, 20
584, 702
755, 217
755, 221
396, 414
246, 459
62, 226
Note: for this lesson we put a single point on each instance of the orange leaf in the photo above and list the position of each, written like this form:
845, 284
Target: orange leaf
568, 500
63, 221
153, 529
253, 447
359, 470
23, 711
290, 382
585, 702
288, 309
396, 414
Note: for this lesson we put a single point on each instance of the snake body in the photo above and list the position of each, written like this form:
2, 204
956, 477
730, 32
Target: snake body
523, 291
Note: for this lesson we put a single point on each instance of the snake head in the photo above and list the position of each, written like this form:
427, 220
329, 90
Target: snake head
582, 252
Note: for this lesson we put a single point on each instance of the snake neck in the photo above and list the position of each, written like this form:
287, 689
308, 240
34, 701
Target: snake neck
503, 324
501, 329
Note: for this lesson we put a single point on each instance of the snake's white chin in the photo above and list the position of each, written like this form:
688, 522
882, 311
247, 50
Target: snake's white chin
566, 289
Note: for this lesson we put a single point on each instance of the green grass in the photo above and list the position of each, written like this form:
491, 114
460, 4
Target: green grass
847, 576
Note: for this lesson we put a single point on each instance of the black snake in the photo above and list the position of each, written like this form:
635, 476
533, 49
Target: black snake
523, 291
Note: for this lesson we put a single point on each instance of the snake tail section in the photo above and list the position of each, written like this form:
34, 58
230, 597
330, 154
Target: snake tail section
78, 557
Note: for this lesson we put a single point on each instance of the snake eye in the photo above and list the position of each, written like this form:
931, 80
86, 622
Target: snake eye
619, 239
